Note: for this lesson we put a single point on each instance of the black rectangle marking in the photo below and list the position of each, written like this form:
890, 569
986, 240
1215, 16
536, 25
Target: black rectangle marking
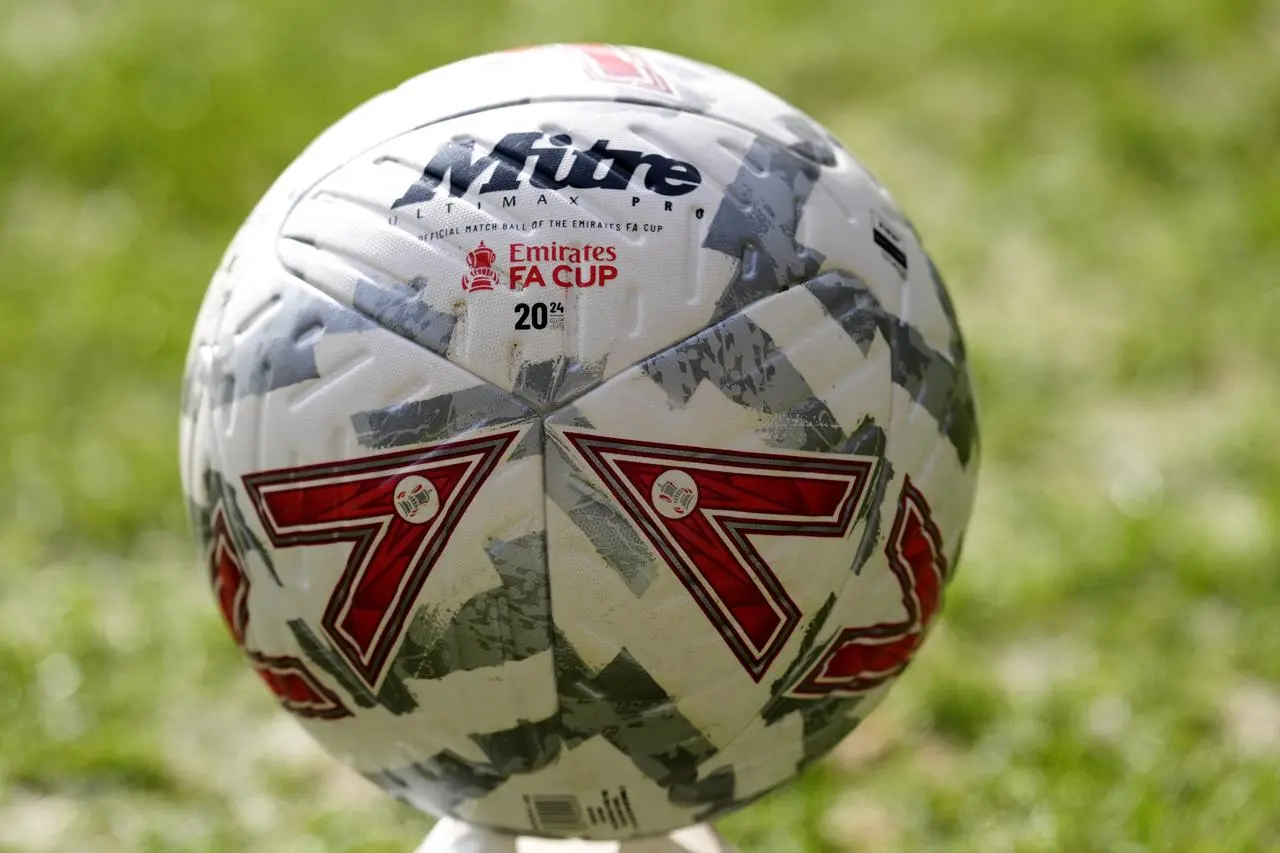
889, 247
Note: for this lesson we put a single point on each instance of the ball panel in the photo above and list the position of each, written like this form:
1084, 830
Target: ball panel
676, 253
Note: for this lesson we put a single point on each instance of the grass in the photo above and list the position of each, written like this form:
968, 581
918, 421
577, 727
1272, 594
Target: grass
1101, 183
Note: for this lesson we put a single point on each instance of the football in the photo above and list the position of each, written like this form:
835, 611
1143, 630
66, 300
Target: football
579, 441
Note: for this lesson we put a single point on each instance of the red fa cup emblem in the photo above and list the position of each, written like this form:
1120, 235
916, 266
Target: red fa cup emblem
481, 275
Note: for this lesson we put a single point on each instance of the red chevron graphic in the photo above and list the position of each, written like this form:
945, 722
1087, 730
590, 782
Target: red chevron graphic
863, 658
701, 507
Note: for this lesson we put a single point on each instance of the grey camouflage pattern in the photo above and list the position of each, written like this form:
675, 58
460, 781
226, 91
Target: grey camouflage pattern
825, 720
738, 357
401, 308
757, 221
200, 519
438, 418
938, 384
322, 653
277, 349
623, 704
869, 439
444, 781
505, 624
815, 143
553, 382
598, 517
956, 344
501, 625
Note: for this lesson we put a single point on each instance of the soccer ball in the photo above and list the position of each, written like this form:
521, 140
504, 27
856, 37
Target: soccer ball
579, 441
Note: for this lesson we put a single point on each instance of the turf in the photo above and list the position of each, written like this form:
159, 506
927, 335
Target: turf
1099, 180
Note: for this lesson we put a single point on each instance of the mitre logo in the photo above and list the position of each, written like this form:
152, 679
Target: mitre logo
481, 275
556, 165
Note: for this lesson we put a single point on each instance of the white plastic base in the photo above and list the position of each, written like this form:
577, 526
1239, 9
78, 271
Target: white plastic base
454, 836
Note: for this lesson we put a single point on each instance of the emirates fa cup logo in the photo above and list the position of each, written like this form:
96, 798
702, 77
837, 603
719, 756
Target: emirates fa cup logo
481, 275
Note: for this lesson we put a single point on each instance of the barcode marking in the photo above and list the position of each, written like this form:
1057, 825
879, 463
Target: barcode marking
556, 813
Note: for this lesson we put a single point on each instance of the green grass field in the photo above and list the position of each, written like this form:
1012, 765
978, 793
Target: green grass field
1100, 181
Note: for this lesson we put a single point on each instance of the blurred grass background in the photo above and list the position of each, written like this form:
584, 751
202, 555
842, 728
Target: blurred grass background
1100, 181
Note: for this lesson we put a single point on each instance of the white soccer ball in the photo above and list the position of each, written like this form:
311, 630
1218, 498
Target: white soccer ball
580, 441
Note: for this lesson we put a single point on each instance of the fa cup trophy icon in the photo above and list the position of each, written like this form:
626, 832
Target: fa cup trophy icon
480, 274
584, 585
